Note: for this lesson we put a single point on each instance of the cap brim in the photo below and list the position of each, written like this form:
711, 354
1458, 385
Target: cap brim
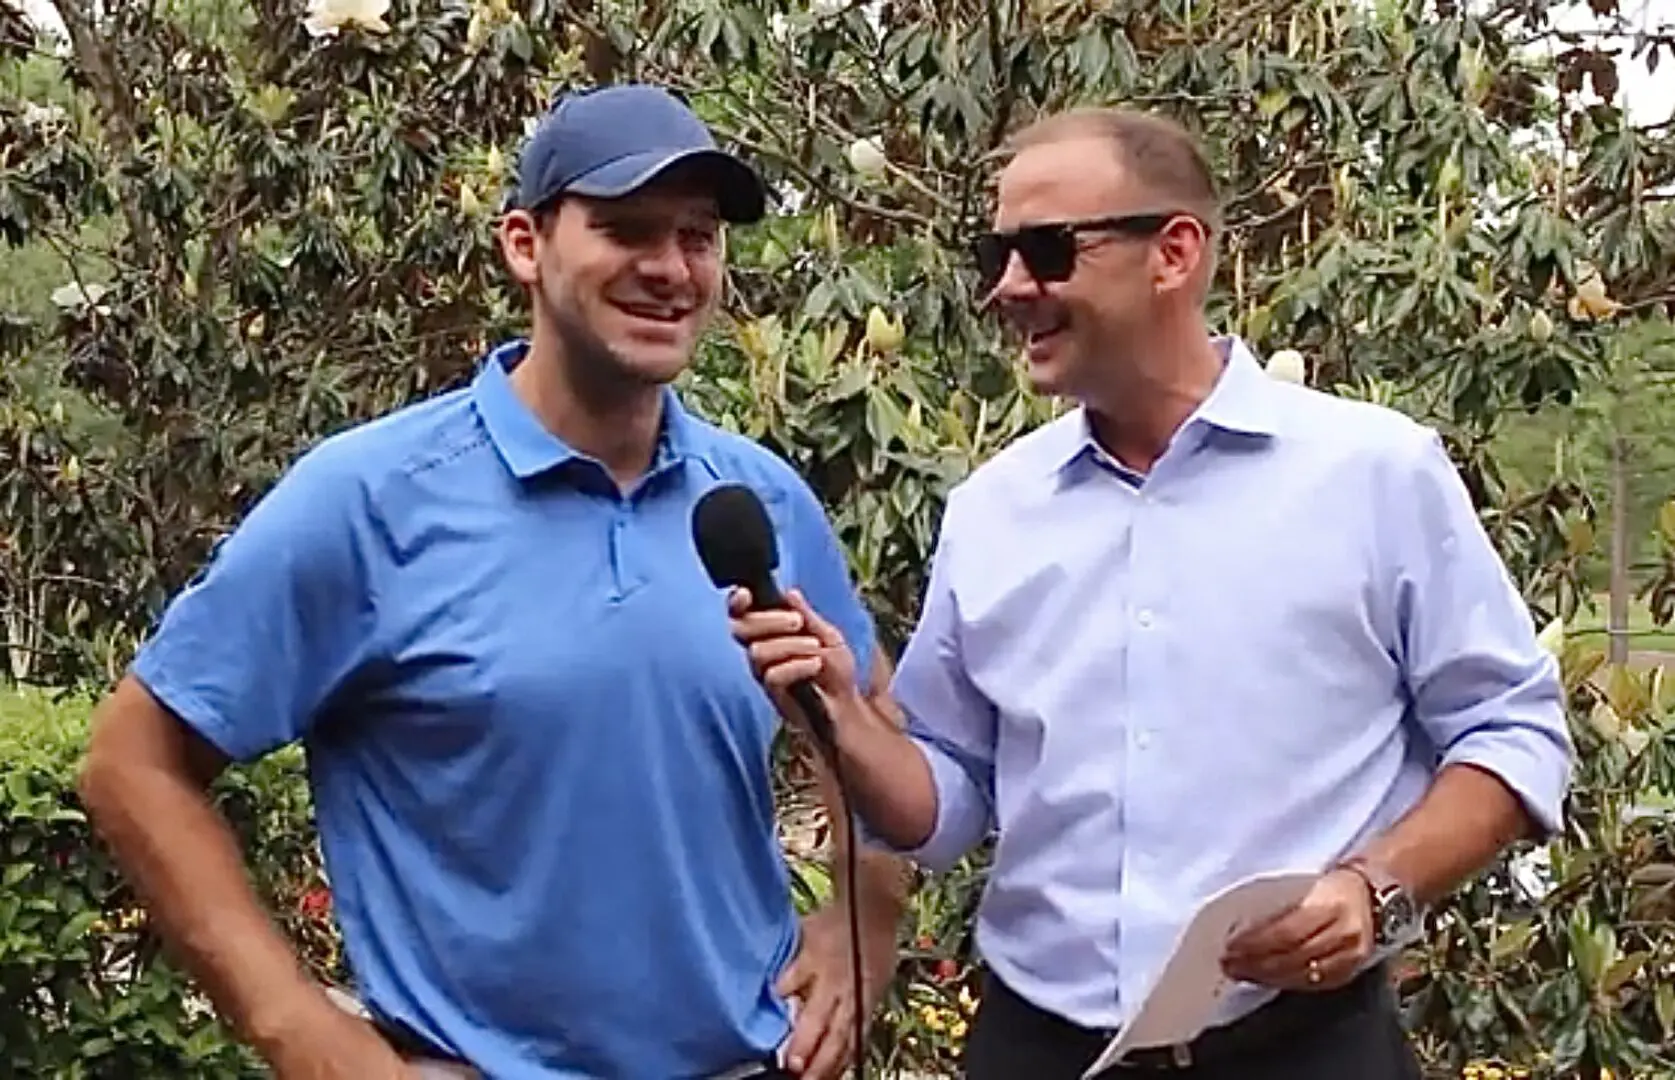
740, 194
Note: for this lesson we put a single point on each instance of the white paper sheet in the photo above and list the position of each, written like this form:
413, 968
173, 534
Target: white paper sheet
1182, 999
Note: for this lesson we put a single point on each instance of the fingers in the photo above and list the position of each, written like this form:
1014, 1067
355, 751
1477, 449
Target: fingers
1314, 946
779, 662
826, 633
833, 1050
753, 626
1286, 968
815, 1028
1281, 935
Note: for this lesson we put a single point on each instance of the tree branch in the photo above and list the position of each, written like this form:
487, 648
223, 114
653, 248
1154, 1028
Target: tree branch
111, 90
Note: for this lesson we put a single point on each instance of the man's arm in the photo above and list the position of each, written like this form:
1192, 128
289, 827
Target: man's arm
922, 785
1485, 694
1483, 689
144, 783
245, 656
884, 879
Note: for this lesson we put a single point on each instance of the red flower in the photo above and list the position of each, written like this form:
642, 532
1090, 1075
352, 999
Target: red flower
316, 903
946, 969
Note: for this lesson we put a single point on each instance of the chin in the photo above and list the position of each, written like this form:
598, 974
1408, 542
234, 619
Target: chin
1050, 375
656, 365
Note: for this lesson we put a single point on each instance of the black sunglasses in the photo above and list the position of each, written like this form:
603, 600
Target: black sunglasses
1049, 249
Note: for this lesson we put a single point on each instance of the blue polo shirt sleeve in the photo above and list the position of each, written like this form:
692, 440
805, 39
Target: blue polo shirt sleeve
1482, 685
280, 618
823, 577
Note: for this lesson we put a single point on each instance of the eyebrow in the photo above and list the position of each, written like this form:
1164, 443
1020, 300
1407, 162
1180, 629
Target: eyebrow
622, 215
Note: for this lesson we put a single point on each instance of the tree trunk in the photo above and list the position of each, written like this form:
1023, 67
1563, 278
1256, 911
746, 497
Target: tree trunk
1617, 619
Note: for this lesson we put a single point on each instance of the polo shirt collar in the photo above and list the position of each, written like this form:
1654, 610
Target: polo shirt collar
526, 445
1242, 401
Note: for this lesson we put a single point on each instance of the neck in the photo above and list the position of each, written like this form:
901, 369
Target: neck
1145, 400
616, 425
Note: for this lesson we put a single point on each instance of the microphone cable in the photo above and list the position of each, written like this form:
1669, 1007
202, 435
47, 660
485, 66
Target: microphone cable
734, 538
827, 746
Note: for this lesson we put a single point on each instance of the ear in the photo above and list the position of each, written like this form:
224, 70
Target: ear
519, 245
1182, 255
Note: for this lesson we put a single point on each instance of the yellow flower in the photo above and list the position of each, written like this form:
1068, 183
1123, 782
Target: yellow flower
958, 1030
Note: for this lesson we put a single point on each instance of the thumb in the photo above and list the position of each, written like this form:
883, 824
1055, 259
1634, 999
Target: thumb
823, 631
795, 978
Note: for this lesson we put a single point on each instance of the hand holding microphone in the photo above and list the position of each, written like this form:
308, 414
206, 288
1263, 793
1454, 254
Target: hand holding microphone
792, 652
792, 648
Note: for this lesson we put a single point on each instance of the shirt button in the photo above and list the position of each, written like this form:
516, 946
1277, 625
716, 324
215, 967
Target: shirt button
1144, 618
1143, 740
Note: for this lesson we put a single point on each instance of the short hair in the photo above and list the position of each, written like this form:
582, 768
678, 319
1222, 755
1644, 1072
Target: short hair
1158, 152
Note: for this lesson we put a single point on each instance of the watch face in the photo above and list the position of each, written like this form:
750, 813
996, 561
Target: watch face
1398, 915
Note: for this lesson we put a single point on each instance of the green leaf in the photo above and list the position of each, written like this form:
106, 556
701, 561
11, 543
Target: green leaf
76, 928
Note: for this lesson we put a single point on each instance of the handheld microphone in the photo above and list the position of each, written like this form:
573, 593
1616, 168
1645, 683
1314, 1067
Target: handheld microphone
735, 541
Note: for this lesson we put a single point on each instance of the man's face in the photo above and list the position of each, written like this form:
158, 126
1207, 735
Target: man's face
627, 284
1118, 281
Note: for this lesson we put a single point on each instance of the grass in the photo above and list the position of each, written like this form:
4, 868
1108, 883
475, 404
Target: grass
1644, 635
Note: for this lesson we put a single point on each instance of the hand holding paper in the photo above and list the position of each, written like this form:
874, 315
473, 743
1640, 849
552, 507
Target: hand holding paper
1182, 1000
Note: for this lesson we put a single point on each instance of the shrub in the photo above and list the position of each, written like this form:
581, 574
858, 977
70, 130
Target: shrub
84, 988
1557, 966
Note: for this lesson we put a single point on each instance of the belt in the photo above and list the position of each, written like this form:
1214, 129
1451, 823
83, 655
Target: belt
1281, 1020
414, 1046
1286, 1017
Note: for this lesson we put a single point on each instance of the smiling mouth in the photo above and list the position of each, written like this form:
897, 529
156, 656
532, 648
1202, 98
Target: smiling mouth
667, 316
1039, 330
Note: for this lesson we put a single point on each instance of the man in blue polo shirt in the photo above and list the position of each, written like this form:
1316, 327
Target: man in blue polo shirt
540, 763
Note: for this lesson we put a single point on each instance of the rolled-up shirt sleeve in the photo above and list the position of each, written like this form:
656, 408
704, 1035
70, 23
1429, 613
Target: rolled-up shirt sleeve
1482, 685
948, 718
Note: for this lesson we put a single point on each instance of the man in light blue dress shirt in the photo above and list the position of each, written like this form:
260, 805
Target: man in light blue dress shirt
1205, 625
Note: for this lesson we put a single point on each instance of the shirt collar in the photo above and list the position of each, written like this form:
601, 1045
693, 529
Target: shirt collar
526, 445
1242, 401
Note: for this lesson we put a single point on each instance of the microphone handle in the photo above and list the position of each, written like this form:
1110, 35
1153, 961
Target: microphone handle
766, 594
819, 720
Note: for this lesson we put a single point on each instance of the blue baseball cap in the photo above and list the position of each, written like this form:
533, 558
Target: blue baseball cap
609, 142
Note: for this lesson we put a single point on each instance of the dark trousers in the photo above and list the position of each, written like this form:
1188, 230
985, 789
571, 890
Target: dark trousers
1352, 1032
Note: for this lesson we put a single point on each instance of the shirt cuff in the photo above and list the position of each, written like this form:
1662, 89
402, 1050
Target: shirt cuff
962, 814
1534, 764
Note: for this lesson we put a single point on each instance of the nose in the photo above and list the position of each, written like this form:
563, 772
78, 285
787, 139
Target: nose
1015, 283
665, 261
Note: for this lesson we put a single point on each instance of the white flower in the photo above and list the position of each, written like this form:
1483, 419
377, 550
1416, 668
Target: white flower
42, 116
76, 297
1532, 873
866, 156
823, 8
326, 17
1288, 365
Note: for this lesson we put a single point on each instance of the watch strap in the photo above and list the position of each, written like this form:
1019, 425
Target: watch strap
1378, 878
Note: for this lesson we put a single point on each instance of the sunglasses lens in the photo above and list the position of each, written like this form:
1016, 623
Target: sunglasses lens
990, 252
1050, 254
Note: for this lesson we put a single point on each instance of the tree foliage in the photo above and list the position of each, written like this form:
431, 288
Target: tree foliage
265, 235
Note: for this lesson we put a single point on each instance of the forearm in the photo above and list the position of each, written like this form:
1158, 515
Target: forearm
889, 778
1466, 818
183, 860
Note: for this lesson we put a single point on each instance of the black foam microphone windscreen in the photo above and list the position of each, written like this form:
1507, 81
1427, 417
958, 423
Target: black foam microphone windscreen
735, 541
